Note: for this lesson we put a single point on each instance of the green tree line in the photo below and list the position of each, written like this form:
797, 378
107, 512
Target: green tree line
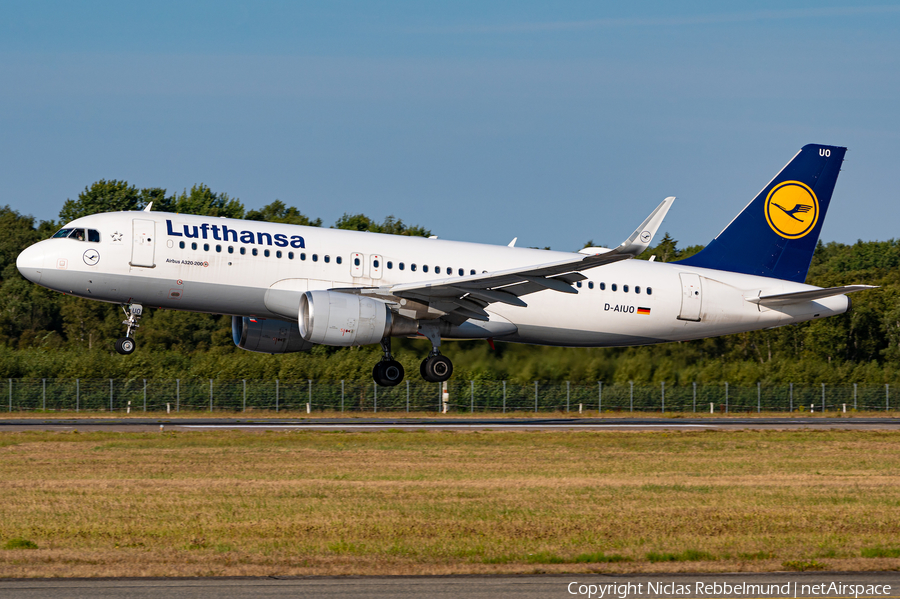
47, 334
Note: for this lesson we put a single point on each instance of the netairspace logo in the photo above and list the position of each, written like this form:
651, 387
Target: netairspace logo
724, 589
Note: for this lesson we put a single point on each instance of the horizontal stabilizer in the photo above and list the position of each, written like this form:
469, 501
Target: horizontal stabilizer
798, 297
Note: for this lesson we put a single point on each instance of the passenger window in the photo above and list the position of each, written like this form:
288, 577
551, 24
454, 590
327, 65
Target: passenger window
181, 244
578, 284
218, 248
266, 253
255, 252
290, 255
205, 247
390, 265
602, 286
327, 258
462, 272
193, 245
338, 260
243, 251
93, 235
315, 257
437, 270
649, 290
625, 288
613, 287
412, 267
472, 272
401, 266
424, 268
356, 262
302, 255
230, 249
278, 254
590, 284
376, 263
637, 288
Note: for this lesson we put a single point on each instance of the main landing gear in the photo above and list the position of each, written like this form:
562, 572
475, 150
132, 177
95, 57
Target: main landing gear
436, 368
389, 372
126, 345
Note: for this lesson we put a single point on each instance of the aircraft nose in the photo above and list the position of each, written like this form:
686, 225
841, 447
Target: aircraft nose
31, 262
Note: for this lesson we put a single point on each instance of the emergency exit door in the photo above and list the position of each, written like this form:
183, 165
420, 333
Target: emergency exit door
691, 296
143, 242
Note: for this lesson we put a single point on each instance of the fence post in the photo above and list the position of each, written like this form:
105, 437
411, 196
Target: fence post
210, 395
244, 385
854, 396
758, 397
535, 396
599, 397
504, 397
823, 398
44, 396
309, 395
695, 396
567, 397
77, 394
407, 395
887, 397
726, 398
10, 396
792, 398
663, 397
375, 396
110, 395
472, 396
342, 394
631, 395
277, 382
145, 395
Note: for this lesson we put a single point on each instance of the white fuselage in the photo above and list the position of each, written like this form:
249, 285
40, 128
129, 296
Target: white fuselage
140, 259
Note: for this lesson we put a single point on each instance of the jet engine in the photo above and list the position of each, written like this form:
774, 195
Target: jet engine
344, 319
266, 335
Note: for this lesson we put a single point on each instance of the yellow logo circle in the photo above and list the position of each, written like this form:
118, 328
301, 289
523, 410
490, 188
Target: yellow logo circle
792, 209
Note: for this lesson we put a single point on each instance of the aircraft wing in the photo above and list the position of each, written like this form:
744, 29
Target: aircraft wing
466, 297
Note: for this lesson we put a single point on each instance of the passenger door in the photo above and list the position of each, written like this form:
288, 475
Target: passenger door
691, 297
143, 243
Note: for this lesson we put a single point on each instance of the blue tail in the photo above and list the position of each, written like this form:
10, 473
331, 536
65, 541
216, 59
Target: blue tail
776, 234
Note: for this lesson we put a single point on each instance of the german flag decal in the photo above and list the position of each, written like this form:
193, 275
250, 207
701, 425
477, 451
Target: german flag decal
643, 310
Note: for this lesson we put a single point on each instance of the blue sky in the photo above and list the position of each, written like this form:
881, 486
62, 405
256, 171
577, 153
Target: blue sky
553, 122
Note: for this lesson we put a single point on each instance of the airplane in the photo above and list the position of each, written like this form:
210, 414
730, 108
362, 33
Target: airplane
290, 287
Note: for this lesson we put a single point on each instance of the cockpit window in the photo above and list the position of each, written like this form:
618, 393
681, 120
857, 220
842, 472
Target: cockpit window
79, 234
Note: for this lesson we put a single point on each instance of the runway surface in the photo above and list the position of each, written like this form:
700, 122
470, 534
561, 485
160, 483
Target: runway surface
880, 584
451, 423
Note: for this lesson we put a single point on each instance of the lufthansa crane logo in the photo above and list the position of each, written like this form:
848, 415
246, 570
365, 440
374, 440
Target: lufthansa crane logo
792, 209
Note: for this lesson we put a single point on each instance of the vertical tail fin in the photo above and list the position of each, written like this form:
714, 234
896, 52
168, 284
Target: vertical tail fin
776, 234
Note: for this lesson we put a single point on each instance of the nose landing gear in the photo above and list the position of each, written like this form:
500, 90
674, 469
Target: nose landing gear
126, 345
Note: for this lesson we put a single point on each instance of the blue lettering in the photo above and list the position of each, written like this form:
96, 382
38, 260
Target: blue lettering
187, 233
261, 236
169, 228
281, 240
247, 237
297, 242
226, 231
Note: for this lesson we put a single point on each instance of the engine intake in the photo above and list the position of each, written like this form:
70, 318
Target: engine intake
343, 319
267, 336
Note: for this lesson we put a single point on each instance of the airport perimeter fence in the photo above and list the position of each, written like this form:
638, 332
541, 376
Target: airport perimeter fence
178, 395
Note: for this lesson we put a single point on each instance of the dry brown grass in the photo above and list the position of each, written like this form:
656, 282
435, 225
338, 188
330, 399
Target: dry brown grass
292, 503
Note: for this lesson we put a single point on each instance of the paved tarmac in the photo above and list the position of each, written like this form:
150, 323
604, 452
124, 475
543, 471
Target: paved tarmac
687, 586
449, 423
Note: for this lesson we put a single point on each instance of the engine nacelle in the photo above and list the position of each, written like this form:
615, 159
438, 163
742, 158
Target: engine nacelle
268, 336
343, 319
